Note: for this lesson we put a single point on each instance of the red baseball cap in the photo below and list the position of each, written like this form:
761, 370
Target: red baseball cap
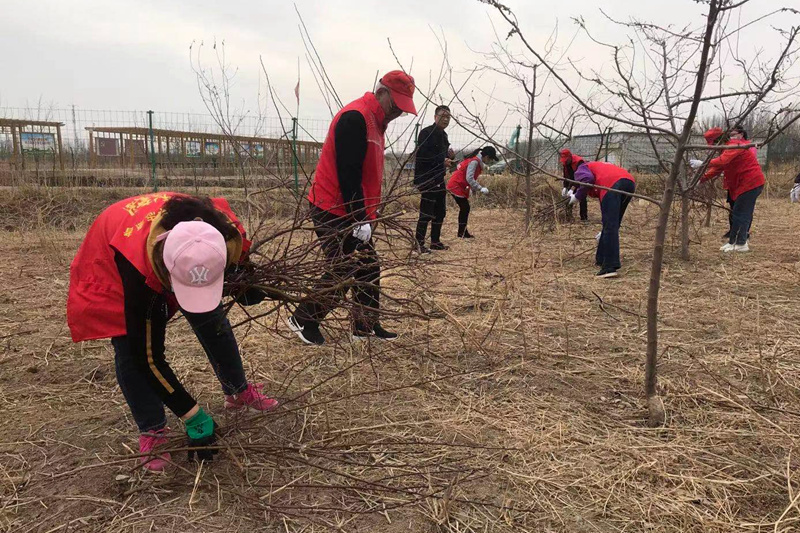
712, 135
401, 86
565, 156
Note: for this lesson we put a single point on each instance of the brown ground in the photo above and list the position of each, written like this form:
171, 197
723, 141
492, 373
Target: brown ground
526, 411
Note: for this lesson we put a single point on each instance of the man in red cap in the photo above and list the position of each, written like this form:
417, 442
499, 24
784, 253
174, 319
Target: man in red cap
345, 196
569, 162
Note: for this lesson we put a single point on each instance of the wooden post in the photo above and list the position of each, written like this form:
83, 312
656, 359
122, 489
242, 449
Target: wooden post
121, 151
60, 148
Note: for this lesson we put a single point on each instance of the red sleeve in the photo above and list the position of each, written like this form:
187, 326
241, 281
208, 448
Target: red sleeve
717, 165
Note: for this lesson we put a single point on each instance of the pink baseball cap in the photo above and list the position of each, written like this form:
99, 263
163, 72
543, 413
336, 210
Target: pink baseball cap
195, 256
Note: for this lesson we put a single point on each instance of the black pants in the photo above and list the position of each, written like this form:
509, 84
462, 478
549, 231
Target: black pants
214, 332
584, 210
463, 213
613, 208
349, 259
432, 208
742, 215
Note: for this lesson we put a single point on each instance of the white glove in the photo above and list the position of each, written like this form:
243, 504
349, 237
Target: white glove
794, 196
564, 192
695, 163
572, 198
597, 237
484, 190
363, 232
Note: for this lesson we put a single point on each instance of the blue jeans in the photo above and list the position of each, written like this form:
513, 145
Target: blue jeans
613, 208
214, 332
742, 215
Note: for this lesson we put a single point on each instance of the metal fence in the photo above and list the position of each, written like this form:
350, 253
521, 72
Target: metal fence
108, 147
75, 146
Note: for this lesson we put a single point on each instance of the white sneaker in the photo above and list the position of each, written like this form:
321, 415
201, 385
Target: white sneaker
307, 334
727, 247
741, 247
597, 237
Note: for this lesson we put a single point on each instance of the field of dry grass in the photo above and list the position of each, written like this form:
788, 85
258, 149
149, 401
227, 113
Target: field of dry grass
517, 407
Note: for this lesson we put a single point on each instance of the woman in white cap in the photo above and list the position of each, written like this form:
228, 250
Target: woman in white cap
143, 259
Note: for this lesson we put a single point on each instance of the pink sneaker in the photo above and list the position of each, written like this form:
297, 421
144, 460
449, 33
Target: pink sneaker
252, 398
148, 442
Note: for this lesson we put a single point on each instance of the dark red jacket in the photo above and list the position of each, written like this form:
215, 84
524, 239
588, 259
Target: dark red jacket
325, 192
741, 168
95, 303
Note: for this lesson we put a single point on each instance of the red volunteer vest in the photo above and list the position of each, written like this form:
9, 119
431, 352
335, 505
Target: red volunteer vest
325, 192
458, 184
95, 303
606, 175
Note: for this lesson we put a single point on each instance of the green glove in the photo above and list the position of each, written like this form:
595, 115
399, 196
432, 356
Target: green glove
201, 432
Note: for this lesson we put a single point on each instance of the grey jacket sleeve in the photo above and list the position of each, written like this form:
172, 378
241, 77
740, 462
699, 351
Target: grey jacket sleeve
473, 166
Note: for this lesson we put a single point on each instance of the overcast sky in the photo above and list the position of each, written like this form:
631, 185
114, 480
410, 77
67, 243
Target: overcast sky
125, 55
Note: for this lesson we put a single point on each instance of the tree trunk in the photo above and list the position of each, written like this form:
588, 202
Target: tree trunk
686, 204
528, 199
655, 406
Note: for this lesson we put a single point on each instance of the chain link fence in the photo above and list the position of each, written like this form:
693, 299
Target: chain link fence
81, 147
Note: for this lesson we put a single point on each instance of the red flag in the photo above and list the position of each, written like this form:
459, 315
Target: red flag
297, 91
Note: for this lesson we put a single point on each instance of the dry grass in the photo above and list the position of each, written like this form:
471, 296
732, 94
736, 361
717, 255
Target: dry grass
517, 408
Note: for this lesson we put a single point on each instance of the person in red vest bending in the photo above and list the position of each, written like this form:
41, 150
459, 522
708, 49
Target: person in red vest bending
743, 179
345, 196
142, 259
569, 162
612, 206
465, 178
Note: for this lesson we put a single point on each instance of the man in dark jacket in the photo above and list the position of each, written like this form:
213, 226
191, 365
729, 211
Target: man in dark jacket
434, 155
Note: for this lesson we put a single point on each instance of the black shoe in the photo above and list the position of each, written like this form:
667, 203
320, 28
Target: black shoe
439, 246
727, 235
309, 334
466, 235
607, 273
422, 249
382, 333
360, 333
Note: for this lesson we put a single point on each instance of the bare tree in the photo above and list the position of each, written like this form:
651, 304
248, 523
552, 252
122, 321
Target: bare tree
667, 106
